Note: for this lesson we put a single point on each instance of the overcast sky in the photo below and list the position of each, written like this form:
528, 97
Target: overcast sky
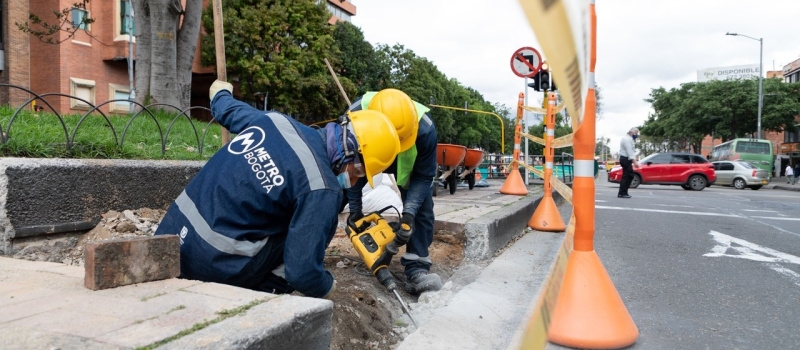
642, 44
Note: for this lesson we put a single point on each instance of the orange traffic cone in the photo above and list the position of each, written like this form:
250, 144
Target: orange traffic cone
589, 313
546, 216
514, 184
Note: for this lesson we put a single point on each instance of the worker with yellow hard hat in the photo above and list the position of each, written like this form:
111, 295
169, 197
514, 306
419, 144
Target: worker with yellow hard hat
415, 169
262, 211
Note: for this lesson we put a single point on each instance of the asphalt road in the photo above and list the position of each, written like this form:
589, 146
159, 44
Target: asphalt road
711, 269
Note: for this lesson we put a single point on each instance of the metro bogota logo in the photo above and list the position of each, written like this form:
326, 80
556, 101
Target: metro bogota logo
247, 140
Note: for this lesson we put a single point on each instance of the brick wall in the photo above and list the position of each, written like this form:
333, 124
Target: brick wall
100, 59
16, 69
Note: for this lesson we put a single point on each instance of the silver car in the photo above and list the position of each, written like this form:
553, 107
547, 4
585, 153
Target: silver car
740, 174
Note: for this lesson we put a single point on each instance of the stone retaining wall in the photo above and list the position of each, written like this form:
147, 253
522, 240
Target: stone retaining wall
47, 196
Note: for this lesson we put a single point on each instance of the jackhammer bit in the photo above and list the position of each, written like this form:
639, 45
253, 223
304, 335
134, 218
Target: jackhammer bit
376, 245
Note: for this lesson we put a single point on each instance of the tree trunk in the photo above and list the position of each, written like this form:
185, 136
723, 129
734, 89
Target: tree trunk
141, 12
187, 43
165, 48
164, 51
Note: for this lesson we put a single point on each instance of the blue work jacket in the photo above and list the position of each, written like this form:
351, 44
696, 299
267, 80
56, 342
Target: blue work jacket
273, 181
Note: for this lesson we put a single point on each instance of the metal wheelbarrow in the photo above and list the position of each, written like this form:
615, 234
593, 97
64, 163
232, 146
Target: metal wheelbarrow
449, 157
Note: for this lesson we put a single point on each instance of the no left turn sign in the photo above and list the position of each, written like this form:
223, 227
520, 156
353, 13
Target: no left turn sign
526, 62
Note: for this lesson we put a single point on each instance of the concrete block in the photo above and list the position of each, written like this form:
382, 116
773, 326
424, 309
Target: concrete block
115, 263
286, 322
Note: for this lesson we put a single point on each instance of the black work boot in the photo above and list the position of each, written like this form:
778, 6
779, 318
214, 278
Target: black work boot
423, 281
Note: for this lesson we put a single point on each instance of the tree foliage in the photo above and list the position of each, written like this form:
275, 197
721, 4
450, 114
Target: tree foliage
279, 47
723, 108
47, 32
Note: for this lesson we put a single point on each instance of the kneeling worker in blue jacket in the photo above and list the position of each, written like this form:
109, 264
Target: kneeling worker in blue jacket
262, 211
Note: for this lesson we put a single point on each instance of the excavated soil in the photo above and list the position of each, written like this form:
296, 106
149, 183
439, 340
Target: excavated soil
365, 314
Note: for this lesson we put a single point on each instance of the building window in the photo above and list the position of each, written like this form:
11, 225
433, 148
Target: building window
79, 17
338, 12
124, 17
119, 92
792, 136
83, 89
127, 25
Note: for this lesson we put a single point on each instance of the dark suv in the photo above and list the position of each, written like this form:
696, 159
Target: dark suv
690, 171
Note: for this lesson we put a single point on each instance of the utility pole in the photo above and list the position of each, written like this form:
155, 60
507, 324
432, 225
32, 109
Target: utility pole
132, 90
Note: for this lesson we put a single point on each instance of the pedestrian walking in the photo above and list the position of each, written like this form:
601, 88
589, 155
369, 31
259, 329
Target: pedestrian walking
789, 174
627, 155
262, 211
796, 171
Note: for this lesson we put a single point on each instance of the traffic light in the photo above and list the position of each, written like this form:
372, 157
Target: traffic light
553, 84
544, 80
535, 83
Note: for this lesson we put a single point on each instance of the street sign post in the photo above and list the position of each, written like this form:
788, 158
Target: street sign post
526, 62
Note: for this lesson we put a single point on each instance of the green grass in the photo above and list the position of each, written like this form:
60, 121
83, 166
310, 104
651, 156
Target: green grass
42, 135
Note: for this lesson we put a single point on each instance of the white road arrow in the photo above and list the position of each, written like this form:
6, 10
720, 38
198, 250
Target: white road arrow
733, 247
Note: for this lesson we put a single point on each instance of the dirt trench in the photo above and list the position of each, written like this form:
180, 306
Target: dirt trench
365, 314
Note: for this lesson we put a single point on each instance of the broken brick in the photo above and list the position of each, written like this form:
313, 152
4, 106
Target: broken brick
115, 263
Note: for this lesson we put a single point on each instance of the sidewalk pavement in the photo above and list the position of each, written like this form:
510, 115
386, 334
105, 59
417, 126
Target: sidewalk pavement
45, 305
781, 183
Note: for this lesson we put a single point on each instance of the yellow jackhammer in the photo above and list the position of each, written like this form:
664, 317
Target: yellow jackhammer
376, 244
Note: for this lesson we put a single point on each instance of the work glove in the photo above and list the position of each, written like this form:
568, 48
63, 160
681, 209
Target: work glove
402, 233
353, 218
330, 293
218, 86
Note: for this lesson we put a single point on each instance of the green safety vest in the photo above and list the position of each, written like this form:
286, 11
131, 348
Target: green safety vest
405, 160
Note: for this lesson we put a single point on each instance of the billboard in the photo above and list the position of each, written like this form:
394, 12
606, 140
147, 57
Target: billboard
748, 71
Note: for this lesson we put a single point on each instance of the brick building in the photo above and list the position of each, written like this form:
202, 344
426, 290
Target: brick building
95, 70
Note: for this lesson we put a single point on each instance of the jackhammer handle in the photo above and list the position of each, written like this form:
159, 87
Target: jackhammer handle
401, 237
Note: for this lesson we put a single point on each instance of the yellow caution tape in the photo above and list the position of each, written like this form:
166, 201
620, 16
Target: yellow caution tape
562, 188
535, 335
535, 109
563, 141
539, 173
558, 109
538, 140
563, 27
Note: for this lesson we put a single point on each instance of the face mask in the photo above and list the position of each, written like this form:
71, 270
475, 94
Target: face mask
635, 136
344, 180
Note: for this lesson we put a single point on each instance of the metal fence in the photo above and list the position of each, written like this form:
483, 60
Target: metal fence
144, 112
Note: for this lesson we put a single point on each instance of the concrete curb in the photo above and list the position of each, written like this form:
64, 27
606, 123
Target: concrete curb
282, 323
491, 232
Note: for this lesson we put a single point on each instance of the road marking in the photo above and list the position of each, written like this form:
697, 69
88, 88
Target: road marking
765, 211
751, 251
669, 211
747, 250
675, 205
696, 213
794, 276
774, 218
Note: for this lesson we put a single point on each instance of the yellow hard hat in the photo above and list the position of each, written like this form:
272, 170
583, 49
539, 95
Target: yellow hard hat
377, 140
401, 111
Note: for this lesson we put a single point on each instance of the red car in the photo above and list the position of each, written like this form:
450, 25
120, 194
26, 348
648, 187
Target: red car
690, 171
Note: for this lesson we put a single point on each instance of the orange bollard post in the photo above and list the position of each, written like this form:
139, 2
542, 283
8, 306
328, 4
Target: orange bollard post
589, 312
514, 183
546, 216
